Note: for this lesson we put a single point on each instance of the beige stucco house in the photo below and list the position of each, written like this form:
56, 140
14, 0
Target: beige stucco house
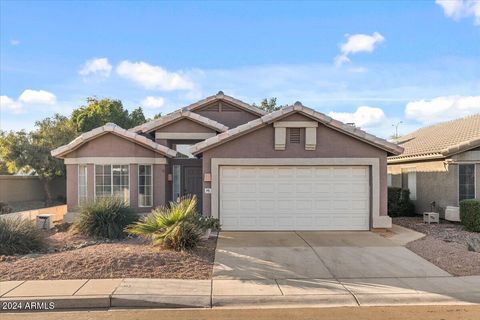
440, 164
293, 169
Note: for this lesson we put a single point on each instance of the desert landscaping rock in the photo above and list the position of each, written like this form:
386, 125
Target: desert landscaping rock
473, 244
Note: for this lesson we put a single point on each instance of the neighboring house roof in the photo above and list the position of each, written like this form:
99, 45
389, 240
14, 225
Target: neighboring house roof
62, 151
440, 140
175, 116
272, 117
221, 96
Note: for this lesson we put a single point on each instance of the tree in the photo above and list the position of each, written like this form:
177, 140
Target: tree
269, 105
32, 149
99, 112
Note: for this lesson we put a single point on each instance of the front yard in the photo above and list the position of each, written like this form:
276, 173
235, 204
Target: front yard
71, 256
445, 245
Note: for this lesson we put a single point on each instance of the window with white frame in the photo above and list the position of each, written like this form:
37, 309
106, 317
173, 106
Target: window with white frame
82, 184
409, 181
466, 181
145, 189
112, 180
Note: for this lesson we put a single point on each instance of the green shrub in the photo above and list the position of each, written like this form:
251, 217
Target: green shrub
470, 214
172, 226
105, 218
399, 203
19, 236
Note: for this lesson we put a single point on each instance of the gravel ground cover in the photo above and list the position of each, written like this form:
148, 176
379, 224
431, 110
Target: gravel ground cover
72, 256
445, 245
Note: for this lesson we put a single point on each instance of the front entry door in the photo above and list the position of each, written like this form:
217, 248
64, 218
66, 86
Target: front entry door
192, 184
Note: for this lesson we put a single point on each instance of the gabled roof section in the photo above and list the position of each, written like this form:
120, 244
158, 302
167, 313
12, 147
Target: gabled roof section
297, 107
221, 96
112, 128
175, 116
440, 140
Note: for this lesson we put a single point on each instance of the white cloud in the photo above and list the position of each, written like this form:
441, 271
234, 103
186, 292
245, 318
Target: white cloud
442, 108
37, 97
153, 77
358, 43
96, 66
7, 103
14, 42
459, 9
363, 117
153, 102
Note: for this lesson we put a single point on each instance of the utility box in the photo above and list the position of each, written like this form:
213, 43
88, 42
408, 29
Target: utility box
452, 214
45, 221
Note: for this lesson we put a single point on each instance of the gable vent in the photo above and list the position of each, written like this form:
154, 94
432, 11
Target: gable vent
294, 135
228, 108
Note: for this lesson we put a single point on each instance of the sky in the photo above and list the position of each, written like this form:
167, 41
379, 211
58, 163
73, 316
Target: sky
373, 63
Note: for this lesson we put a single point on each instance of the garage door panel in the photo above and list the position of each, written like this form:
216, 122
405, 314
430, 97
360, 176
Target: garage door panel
294, 198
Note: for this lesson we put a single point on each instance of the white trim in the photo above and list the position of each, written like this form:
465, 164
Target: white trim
295, 124
184, 135
378, 221
138, 184
115, 160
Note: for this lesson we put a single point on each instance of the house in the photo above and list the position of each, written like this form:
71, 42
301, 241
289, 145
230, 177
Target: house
292, 169
440, 164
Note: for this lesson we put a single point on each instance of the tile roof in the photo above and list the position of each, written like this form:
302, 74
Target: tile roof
60, 152
176, 115
271, 117
440, 140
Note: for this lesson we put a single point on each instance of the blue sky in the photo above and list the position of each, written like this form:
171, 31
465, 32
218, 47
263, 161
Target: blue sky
373, 63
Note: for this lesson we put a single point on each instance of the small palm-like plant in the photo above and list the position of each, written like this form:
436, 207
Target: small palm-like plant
172, 226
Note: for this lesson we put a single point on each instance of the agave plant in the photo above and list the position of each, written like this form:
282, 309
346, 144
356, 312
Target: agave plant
172, 226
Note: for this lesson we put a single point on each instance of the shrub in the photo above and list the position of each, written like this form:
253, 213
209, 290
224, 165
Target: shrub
5, 208
105, 218
208, 223
470, 214
172, 226
399, 203
19, 236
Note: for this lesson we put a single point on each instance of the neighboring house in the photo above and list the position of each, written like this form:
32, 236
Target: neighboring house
293, 169
440, 163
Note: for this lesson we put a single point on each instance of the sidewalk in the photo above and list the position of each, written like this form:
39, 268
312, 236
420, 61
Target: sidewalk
172, 293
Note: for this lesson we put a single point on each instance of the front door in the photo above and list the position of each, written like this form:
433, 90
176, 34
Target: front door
192, 184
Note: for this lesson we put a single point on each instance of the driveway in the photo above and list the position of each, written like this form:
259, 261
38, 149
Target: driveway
316, 255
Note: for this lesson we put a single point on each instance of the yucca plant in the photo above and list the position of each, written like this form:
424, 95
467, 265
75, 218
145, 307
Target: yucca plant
19, 236
105, 218
172, 226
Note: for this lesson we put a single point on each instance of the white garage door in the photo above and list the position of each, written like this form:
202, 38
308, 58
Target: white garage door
294, 197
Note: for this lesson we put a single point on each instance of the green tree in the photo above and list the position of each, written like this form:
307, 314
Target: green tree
99, 112
269, 105
32, 149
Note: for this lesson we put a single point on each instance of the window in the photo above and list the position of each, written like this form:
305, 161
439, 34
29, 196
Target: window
294, 135
82, 184
389, 179
183, 149
112, 180
466, 181
145, 194
409, 181
176, 182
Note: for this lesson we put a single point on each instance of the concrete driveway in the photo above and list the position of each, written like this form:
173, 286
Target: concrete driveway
316, 255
